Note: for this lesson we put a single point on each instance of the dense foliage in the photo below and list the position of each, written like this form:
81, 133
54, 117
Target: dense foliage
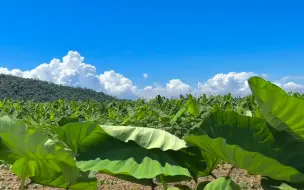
177, 116
18, 88
64, 143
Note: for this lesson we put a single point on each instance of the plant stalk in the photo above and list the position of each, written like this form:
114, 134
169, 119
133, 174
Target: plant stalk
165, 186
26, 186
23, 174
213, 175
153, 185
22, 184
68, 187
228, 175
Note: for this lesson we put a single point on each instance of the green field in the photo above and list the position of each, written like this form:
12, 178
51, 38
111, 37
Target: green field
159, 142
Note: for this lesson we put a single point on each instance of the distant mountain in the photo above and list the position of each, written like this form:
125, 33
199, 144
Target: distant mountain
18, 88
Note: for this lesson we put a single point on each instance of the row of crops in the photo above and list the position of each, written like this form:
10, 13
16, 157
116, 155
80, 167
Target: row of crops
65, 143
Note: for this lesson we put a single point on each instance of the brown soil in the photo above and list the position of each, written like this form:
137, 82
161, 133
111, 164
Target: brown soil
9, 181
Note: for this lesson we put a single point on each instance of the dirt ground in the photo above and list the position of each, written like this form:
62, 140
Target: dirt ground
9, 181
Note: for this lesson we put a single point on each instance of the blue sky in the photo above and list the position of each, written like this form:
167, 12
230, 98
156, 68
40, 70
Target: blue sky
188, 40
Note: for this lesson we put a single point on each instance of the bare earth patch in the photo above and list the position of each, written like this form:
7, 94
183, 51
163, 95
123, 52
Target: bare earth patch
9, 181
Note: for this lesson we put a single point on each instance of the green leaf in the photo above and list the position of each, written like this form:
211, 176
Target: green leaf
202, 185
248, 143
192, 106
125, 151
179, 114
222, 183
284, 186
179, 187
34, 155
281, 111
174, 188
65, 120
268, 183
148, 138
85, 181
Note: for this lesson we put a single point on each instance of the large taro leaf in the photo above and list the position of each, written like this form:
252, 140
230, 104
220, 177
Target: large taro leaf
35, 156
249, 143
86, 181
281, 111
268, 183
134, 153
147, 138
198, 163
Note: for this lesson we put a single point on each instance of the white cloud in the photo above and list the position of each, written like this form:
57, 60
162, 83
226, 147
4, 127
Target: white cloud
291, 86
72, 71
173, 89
234, 83
145, 75
291, 83
116, 84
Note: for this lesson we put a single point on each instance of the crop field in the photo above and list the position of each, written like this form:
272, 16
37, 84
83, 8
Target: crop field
208, 142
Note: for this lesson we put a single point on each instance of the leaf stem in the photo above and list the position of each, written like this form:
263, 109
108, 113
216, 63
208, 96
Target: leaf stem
25, 186
228, 175
68, 186
152, 185
213, 175
23, 176
22, 184
165, 187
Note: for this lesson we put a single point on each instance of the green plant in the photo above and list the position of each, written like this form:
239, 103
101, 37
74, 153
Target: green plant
65, 143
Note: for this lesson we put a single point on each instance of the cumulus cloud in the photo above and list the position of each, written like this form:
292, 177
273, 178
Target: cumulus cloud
173, 89
291, 86
73, 71
145, 75
234, 83
116, 84
290, 83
